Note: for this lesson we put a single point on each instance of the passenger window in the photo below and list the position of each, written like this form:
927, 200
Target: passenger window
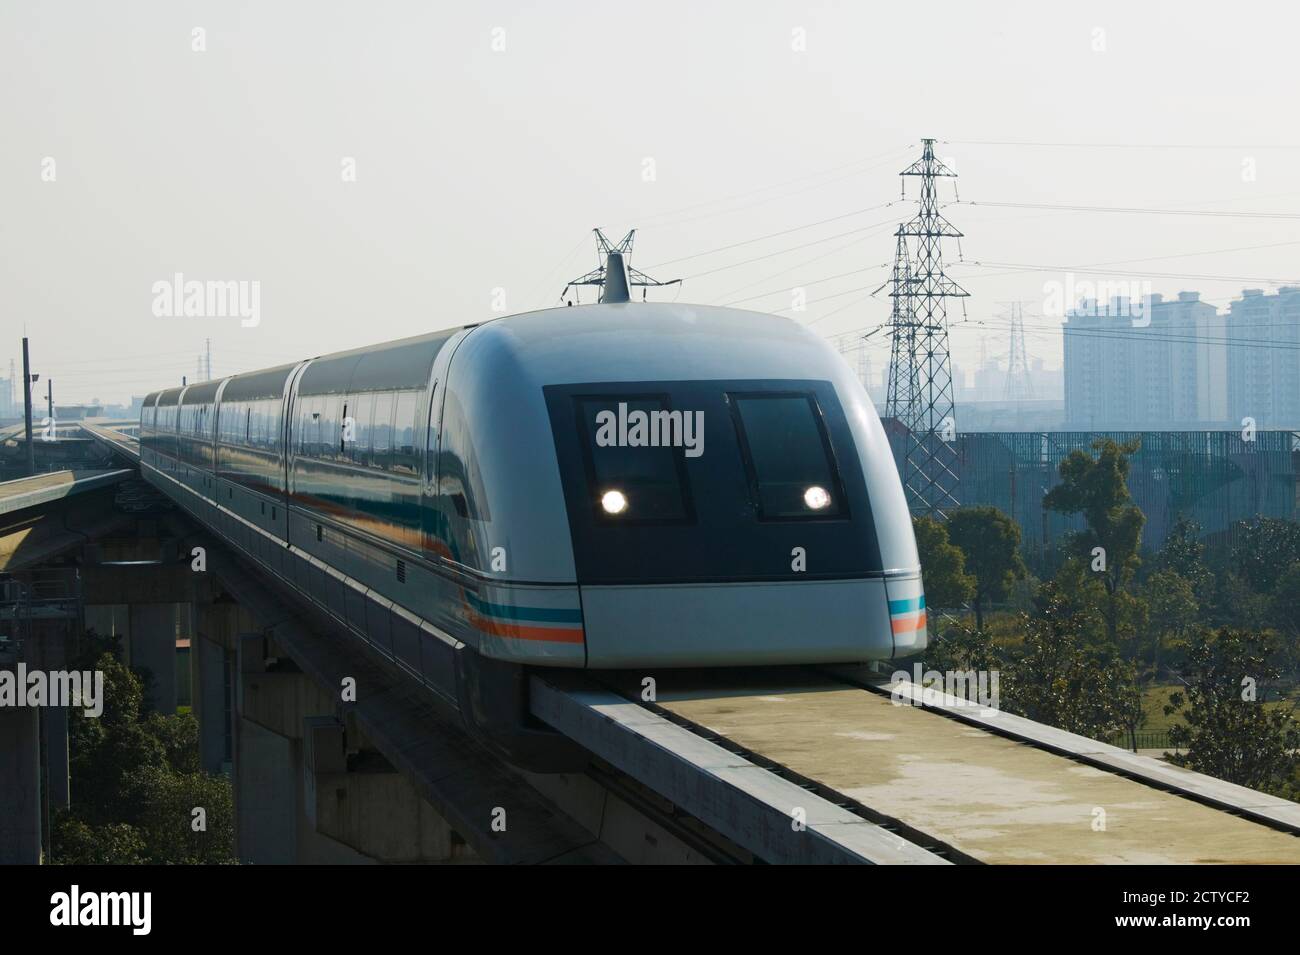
631, 483
382, 430
404, 433
788, 458
358, 450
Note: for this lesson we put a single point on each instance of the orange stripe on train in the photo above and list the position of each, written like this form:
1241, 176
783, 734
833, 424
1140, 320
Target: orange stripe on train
907, 624
515, 631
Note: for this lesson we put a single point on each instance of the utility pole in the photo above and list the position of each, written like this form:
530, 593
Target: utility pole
924, 396
614, 275
49, 399
27, 408
208, 346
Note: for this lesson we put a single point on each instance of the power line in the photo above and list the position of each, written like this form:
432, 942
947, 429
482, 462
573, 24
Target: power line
1024, 267
772, 235
795, 248
990, 142
829, 278
653, 217
1129, 210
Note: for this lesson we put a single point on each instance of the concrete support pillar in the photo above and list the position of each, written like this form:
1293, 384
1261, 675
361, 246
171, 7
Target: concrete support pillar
56, 756
209, 684
265, 789
107, 620
20, 786
151, 645
373, 809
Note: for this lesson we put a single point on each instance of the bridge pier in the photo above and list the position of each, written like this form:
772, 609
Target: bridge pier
362, 801
20, 793
151, 646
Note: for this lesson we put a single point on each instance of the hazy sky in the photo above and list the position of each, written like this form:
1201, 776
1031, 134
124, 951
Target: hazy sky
478, 168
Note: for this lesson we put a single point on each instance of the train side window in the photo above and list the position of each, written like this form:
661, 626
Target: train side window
382, 430
403, 457
629, 483
358, 450
330, 427
788, 458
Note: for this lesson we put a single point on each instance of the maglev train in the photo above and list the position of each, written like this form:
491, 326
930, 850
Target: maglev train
614, 486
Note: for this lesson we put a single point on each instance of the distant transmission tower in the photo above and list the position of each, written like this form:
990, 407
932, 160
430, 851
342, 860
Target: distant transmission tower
614, 275
1019, 386
920, 383
854, 350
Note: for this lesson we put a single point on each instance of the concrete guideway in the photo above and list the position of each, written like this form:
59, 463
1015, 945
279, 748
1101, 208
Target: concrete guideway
743, 802
23, 493
993, 798
47, 514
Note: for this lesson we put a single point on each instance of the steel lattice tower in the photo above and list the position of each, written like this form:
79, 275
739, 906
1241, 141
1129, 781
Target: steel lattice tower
901, 389
920, 383
1019, 386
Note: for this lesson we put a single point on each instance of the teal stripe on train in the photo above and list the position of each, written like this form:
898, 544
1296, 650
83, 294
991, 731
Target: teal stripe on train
534, 614
906, 605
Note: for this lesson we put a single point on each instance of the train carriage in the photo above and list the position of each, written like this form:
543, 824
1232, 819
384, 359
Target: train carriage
611, 486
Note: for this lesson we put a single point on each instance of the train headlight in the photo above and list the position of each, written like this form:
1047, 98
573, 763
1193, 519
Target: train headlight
614, 502
816, 498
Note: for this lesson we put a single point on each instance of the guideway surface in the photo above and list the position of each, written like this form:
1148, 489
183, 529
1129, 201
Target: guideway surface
995, 799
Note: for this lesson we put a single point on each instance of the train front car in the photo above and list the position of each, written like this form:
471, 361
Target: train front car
715, 482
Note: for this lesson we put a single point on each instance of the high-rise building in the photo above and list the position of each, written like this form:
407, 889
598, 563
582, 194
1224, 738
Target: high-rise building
1264, 358
1154, 365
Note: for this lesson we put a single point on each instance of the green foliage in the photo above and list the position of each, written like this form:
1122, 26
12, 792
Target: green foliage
136, 781
1183, 554
946, 582
1265, 549
1097, 488
165, 816
78, 843
1236, 603
179, 737
962, 649
1174, 611
1225, 732
990, 541
1284, 604
1063, 681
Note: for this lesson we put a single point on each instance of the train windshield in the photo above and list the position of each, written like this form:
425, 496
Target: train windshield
635, 477
787, 457
711, 480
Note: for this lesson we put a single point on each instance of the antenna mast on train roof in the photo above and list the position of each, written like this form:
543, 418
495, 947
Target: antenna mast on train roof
614, 275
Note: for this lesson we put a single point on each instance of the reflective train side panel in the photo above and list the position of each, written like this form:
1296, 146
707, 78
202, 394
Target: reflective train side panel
610, 486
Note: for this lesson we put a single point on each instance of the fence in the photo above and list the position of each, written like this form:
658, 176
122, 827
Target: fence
1212, 477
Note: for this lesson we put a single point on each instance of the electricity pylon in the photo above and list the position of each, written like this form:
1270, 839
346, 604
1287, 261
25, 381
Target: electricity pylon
1019, 385
921, 394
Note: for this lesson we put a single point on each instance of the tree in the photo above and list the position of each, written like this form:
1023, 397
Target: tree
1284, 604
1174, 609
114, 843
1265, 548
990, 541
1228, 731
136, 780
1097, 488
1184, 554
946, 583
1063, 681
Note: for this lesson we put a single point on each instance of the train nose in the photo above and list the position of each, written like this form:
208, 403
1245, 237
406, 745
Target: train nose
808, 621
